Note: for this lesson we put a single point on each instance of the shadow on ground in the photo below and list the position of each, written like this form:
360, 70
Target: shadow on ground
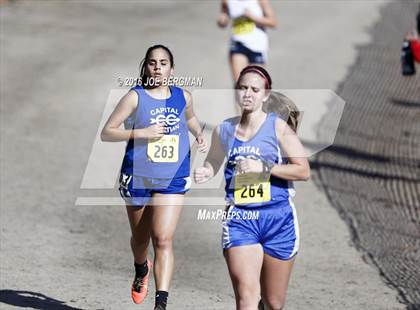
34, 300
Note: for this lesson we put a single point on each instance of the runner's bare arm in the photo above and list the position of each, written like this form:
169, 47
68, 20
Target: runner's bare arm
213, 161
216, 154
127, 105
223, 19
194, 124
298, 167
192, 121
268, 19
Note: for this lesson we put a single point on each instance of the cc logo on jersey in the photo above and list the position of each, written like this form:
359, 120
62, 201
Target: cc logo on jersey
170, 119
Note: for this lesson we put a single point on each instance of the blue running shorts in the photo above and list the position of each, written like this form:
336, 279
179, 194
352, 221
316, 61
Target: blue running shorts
137, 191
275, 227
253, 57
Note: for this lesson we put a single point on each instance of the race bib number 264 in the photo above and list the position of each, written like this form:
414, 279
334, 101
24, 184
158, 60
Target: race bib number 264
250, 188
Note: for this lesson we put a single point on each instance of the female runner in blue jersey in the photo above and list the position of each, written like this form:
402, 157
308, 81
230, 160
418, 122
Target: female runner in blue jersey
263, 156
155, 173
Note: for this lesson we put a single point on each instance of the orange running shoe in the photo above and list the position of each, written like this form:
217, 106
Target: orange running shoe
140, 286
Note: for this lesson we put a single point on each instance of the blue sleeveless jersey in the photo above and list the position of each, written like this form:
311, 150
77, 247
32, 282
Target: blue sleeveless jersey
150, 111
264, 146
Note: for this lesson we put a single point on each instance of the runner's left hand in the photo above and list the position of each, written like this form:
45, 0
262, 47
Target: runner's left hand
202, 144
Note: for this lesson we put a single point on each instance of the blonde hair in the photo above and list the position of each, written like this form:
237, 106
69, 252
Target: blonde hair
284, 107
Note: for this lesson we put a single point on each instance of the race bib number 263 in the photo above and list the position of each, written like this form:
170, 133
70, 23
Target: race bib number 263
163, 150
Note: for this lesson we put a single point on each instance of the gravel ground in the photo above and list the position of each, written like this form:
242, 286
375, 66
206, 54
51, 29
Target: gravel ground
59, 61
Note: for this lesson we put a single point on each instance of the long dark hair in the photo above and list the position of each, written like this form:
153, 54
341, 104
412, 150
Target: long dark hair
142, 66
284, 107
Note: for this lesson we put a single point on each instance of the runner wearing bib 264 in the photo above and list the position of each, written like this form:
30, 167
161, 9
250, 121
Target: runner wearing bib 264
263, 156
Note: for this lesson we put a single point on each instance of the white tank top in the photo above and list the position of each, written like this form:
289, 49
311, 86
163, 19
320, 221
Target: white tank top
244, 30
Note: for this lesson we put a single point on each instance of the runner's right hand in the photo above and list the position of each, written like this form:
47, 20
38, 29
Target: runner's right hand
202, 175
154, 131
223, 20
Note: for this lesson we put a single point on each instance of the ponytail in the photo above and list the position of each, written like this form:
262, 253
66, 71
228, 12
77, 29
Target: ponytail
284, 107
